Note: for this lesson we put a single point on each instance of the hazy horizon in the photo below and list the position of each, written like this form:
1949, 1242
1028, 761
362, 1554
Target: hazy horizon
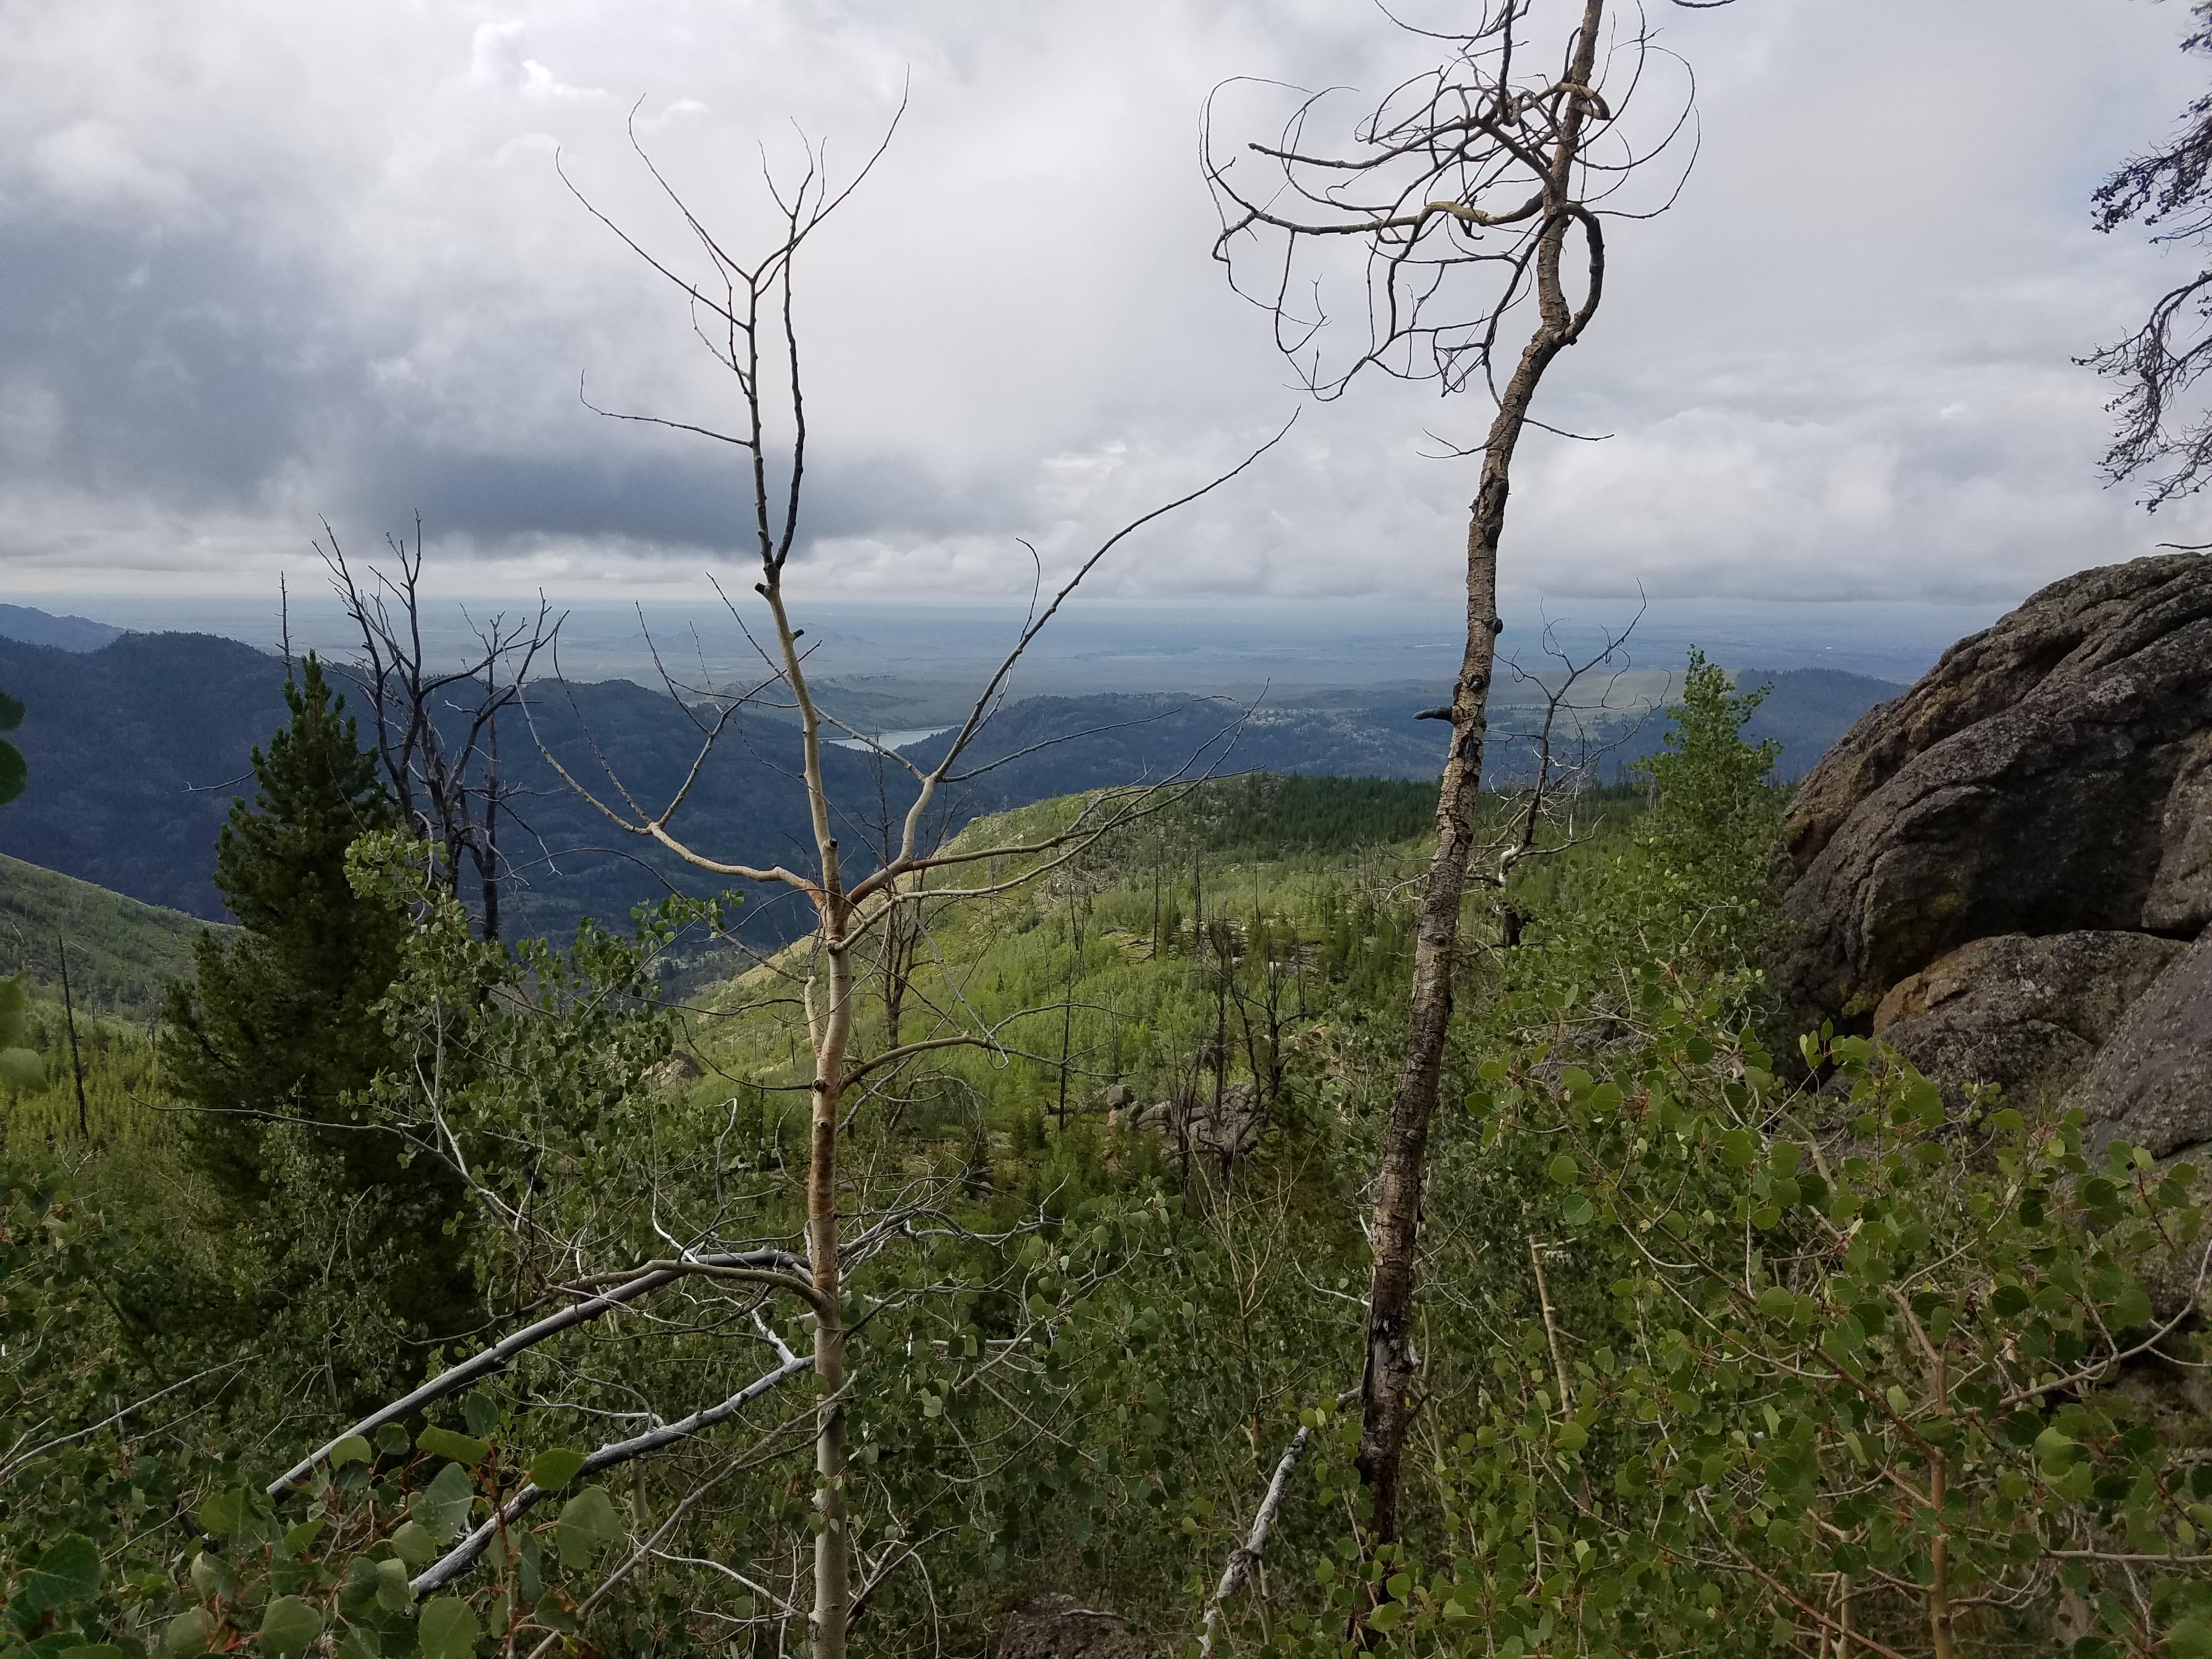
1239, 649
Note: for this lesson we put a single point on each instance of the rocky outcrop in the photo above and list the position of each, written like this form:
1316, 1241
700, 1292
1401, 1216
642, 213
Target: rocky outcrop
2151, 1084
2000, 874
1113, 1097
2176, 902
1230, 1127
2028, 1014
677, 1070
2051, 775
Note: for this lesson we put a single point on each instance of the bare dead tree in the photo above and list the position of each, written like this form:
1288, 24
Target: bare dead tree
1247, 1556
1075, 896
1265, 1011
437, 730
1472, 203
743, 310
899, 947
2158, 422
69, 1018
1573, 735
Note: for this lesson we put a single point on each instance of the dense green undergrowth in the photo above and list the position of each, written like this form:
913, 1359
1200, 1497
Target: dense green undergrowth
1720, 1353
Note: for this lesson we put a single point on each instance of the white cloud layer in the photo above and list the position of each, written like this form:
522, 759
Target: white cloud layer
272, 262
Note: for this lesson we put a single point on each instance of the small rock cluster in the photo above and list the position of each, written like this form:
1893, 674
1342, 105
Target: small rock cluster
1229, 1127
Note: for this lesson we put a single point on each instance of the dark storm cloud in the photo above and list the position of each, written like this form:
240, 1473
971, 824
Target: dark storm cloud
693, 498
192, 367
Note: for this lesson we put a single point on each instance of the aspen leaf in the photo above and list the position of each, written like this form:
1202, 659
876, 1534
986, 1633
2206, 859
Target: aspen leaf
393, 1593
351, 1450
587, 1525
442, 1507
555, 1468
447, 1629
461, 1448
69, 1572
185, 1635
289, 1624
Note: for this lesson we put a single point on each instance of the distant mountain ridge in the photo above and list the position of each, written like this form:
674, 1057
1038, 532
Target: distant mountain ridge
1808, 709
136, 749
33, 627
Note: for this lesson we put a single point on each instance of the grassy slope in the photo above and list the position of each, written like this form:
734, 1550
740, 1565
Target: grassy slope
121, 953
1327, 867
1321, 872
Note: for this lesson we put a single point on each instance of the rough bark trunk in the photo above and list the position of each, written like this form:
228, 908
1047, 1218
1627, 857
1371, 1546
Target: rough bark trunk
1387, 1385
901, 927
1940, 1632
1067, 1011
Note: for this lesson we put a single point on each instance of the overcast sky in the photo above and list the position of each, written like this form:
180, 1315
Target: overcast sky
268, 263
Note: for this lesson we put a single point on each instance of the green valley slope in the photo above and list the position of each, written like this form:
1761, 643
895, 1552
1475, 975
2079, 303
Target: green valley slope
121, 953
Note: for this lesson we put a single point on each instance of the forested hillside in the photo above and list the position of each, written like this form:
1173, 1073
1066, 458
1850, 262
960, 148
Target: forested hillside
34, 627
141, 745
136, 750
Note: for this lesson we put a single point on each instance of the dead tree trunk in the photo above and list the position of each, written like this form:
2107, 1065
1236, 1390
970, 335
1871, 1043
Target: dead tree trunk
69, 1016
1386, 1386
1482, 169
437, 731
488, 867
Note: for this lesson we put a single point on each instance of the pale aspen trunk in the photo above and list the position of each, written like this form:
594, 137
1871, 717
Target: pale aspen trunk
1386, 1387
830, 1029
833, 1591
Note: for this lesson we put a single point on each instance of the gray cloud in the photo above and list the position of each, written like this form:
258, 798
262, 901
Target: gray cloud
191, 369
270, 262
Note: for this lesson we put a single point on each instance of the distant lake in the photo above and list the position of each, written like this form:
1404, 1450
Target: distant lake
893, 739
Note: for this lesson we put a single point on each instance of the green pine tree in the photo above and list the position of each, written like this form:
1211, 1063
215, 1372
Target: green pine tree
1703, 894
277, 1031
1717, 811
14, 774
277, 1024
1692, 884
